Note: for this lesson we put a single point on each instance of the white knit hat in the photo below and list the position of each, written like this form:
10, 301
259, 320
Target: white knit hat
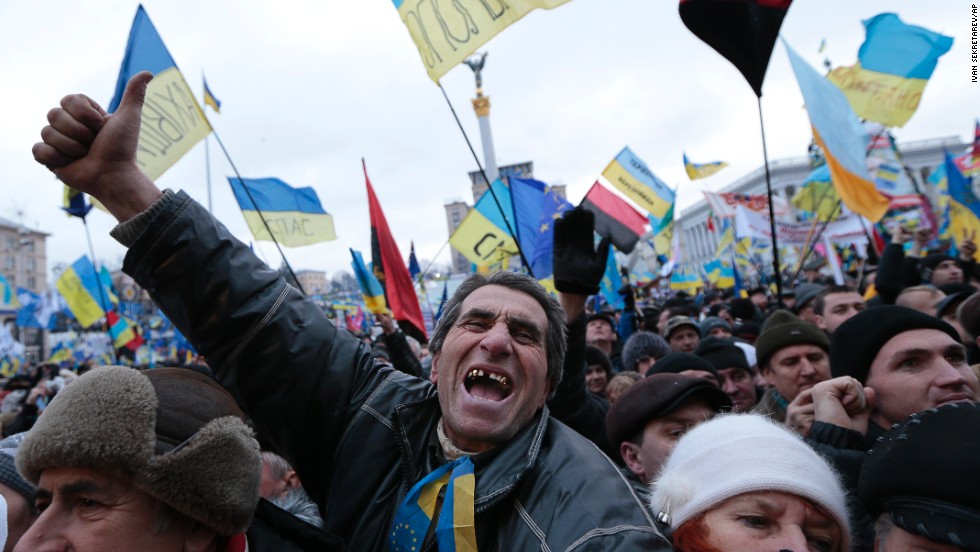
765, 456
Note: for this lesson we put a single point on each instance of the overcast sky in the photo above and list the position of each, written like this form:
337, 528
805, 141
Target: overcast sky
310, 87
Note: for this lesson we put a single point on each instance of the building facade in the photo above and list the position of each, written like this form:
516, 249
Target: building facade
24, 264
698, 243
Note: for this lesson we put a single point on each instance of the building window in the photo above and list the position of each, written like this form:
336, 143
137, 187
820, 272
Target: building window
10, 263
31, 265
31, 283
27, 244
11, 243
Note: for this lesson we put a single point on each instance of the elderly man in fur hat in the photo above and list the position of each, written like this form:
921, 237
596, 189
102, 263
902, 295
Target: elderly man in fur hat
367, 441
148, 461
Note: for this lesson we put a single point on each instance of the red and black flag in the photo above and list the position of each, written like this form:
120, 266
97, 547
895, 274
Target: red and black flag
392, 272
744, 31
614, 218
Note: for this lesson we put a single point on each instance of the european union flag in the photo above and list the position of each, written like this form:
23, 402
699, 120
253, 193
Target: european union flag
455, 530
536, 208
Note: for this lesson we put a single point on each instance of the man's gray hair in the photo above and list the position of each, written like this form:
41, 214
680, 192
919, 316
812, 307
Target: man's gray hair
554, 338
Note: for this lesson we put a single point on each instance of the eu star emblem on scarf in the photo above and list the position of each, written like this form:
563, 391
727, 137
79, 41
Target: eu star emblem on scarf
454, 530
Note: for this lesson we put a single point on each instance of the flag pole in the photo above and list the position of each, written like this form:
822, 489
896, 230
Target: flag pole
772, 211
102, 297
207, 169
520, 251
257, 210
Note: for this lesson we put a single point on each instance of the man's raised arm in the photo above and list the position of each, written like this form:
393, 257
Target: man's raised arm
95, 152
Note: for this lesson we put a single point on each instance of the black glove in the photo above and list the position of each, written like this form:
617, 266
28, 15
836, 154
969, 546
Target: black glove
579, 266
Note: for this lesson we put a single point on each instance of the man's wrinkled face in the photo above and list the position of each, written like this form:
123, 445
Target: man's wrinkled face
837, 308
684, 339
660, 436
918, 370
797, 368
84, 510
492, 368
740, 387
947, 272
599, 331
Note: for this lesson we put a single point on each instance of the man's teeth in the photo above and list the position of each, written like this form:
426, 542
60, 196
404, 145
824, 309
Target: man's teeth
502, 380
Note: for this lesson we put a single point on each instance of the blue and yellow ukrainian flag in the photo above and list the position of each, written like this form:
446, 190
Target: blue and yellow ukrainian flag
630, 175
79, 285
7, 293
611, 282
964, 206
702, 170
294, 215
482, 237
894, 64
685, 278
455, 530
209, 98
839, 133
374, 295
172, 119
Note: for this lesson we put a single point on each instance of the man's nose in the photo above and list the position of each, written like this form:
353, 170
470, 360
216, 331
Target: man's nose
497, 340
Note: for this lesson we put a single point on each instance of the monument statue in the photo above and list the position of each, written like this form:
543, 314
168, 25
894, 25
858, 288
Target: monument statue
476, 64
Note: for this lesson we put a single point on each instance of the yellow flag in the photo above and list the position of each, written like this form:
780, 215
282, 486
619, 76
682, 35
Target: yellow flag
481, 241
446, 32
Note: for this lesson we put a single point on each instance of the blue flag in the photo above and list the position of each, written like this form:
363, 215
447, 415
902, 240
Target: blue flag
536, 208
294, 215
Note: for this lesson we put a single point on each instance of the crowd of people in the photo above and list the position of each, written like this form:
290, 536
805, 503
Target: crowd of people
814, 421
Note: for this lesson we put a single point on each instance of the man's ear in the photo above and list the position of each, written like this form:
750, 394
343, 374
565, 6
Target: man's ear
766, 372
631, 456
292, 480
434, 369
821, 322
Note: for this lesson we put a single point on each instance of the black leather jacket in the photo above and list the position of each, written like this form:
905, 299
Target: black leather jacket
360, 435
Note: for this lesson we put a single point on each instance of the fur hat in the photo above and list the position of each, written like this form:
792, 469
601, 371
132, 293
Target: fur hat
654, 397
927, 492
642, 344
784, 329
769, 458
176, 433
857, 341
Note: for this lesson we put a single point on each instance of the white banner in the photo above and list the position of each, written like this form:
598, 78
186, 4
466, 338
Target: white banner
846, 230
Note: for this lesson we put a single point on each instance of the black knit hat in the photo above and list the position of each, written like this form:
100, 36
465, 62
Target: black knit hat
594, 356
675, 363
784, 329
857, 341
654, 397
929, 263
722, 353
604, 317
923, 475
968, 314
8, 470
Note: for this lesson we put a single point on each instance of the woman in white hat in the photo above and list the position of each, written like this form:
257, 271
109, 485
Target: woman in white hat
740, 482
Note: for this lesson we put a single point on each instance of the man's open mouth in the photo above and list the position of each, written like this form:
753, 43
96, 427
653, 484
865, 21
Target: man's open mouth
487, 385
